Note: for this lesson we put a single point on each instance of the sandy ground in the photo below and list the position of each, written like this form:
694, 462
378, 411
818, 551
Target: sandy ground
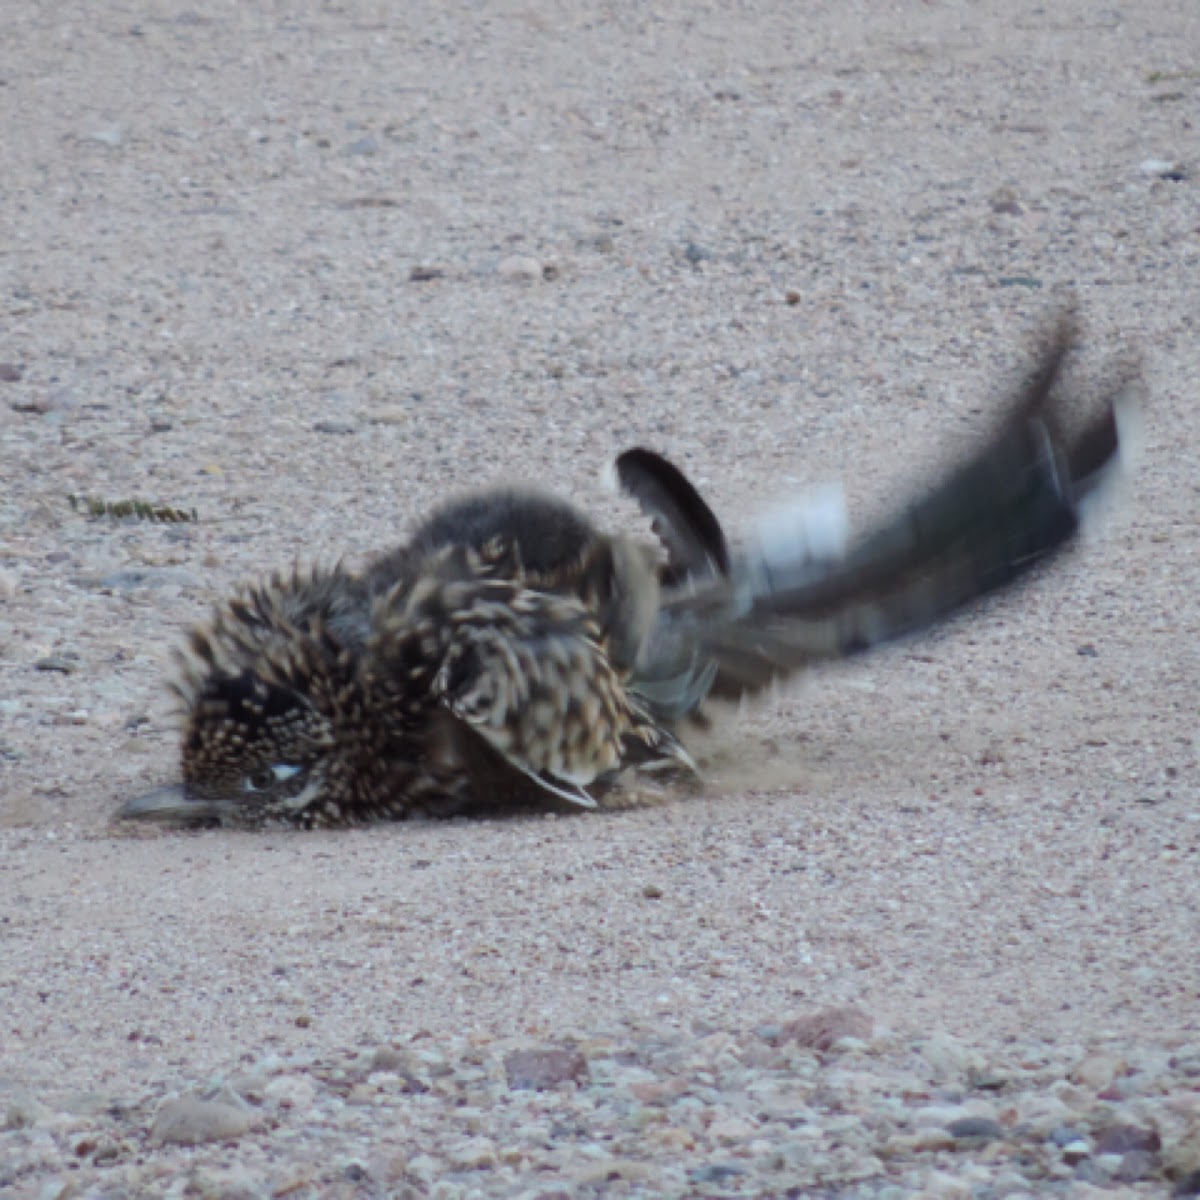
309, 269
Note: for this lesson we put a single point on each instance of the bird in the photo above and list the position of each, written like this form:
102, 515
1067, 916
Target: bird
510, 651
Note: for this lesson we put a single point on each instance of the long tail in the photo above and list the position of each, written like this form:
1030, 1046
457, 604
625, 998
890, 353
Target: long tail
782, 605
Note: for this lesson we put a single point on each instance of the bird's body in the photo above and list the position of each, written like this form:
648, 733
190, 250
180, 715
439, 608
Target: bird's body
509, 650
482, 663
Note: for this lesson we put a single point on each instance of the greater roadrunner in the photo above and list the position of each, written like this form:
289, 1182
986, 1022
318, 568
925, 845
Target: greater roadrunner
509, 649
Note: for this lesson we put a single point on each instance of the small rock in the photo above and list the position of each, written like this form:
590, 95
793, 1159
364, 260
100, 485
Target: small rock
85, 1104
364, 146
652, 891
61, 399
189, 1122
1076, 1151
938, 1185
730, 1129
1082, 1190
696, 254
657, 1092
1162, 168
520, 268
975, 1129
1097, 1071
984, 1079
949, 1058
339, 427
65, 664
225, 1094
823, 1029
1097, 1172
291, 1091
425, 1168
389, 1058
539, 1069
1120, 1139
715, 1173
900, 1145
850, 1045
1044, 1114
1136, 1166
473, 1154
11, 372
204, 1183
389, 414
22, 1112
1188, 1185
939, 1116
1004, 201
1064, 1135
424, 274
362, 1095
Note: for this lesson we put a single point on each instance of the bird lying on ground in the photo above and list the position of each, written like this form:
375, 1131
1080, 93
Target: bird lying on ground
510, 650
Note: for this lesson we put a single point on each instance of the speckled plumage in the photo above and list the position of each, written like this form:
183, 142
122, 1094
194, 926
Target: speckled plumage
482, 663
510, 651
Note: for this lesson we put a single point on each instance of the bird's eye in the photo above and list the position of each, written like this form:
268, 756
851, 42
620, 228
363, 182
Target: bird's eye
266, 778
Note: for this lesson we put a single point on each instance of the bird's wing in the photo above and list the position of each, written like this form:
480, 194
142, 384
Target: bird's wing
527, 671
680, 517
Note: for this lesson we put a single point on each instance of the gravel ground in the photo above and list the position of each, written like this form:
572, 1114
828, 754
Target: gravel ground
931, 927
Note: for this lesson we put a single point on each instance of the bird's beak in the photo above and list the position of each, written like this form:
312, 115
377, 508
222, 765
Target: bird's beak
171, 805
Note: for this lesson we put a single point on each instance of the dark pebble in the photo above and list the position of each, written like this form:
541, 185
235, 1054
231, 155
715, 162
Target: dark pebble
340, 427
715, 1173
1120, 1139
985, 1080
1189, 1185
66, 664
11, 373
982, 1129
388, 1058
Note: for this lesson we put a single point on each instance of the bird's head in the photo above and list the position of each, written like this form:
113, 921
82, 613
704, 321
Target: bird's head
259, 698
